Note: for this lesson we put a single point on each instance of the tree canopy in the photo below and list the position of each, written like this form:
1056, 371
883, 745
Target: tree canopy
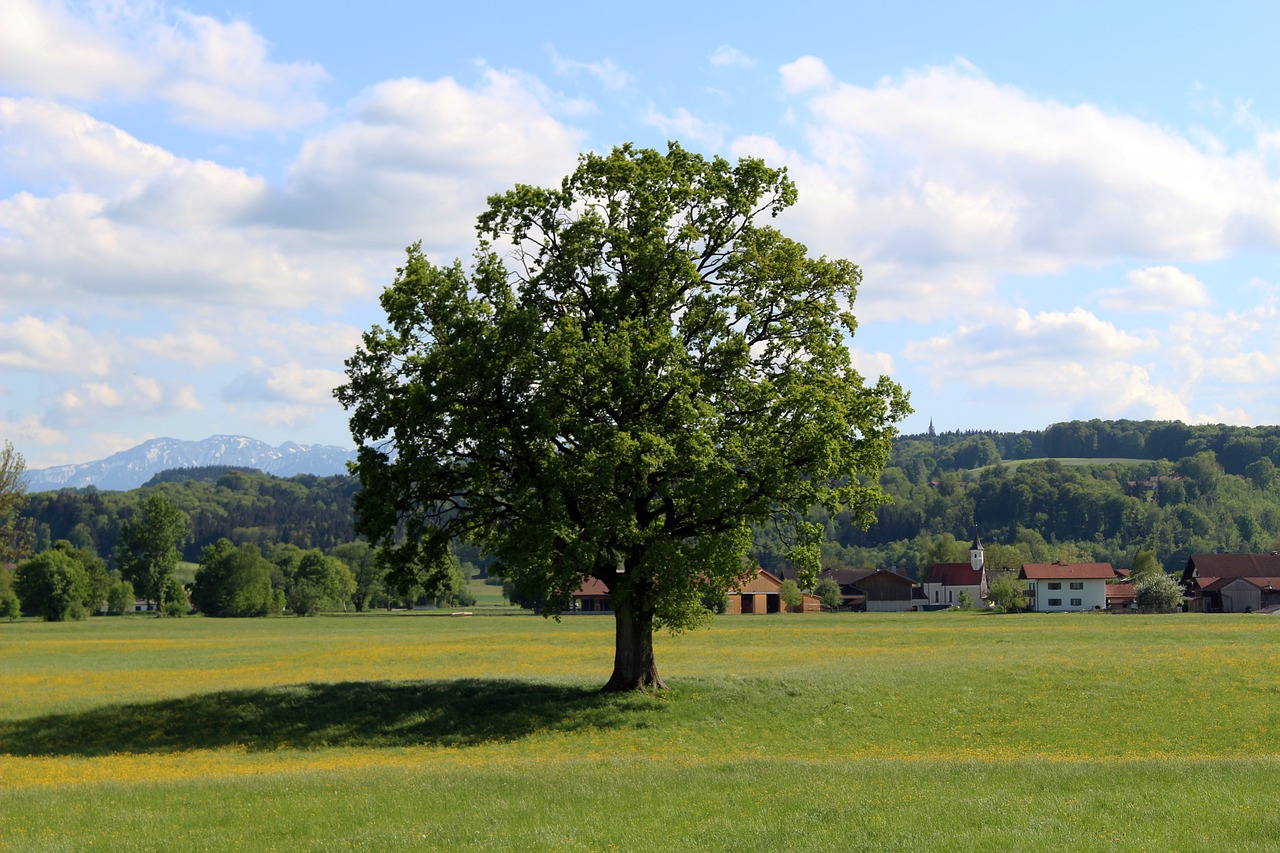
149, 546
14, 527
646, 373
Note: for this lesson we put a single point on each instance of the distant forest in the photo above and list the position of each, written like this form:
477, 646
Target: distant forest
1126, 485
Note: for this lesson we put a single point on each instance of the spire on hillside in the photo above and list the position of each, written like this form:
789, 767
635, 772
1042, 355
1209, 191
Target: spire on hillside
931, 432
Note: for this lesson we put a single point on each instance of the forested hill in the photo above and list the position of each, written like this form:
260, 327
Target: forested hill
1234, 447
242, 504
1111, 488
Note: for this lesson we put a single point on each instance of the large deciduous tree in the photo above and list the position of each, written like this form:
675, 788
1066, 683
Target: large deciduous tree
15, 529
149, 546
636, 369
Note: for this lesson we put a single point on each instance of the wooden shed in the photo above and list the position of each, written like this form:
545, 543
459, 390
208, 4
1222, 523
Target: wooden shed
759, 594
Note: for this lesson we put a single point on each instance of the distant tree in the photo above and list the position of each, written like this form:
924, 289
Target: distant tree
361, 559
946, 549
10, 605
150, 545
1144, 565
174, 600
53, 584
965, 600
120, 596
319, 583
828, 592
15, 529
453, 592
1007, 593
1157, 591
790, 595
233, 581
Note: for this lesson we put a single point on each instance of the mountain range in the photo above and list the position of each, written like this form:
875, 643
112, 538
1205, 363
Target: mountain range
129, 469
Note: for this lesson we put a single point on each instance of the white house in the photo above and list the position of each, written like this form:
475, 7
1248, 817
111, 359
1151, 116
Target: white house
1060, 587
945, 581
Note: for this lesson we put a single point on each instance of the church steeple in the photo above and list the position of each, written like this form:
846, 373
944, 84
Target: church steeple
931, 432
975, 553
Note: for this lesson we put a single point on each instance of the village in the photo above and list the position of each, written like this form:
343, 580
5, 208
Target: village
1211, 583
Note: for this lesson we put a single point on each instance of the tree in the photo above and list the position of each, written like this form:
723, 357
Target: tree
789, 594
362, 560
319, 582
53, 584
965, 600
15, 529
1007, 593
654, 372
1144, 565
149, 546
10, 605
828, 591
233, 581
1157, 591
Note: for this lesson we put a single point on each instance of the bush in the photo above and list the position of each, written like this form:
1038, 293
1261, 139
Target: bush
790, 594
1007, 593
175, 599
829, 591
1157, 592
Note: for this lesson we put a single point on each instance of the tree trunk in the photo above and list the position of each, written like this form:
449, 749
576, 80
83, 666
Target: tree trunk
633, 665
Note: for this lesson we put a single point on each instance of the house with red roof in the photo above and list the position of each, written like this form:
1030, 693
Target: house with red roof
1231, 583
943, 582
1064, 587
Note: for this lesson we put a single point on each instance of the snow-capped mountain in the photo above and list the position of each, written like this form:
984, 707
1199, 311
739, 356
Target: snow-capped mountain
129, 469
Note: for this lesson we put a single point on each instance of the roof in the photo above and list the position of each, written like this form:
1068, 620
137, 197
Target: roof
1066, 571
1219, 583
954, 574
1121, 592
1232, 566
591, 586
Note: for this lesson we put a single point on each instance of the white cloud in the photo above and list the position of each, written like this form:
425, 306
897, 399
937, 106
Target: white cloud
872, 364
291, 383
605, 70
52, 346
1162, 288
805, 74
1074, 360
193, 347
214, 75
683, 125
724, 55
30, 430
91, 401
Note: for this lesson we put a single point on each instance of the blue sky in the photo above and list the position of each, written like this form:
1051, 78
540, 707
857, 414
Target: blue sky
1060, 213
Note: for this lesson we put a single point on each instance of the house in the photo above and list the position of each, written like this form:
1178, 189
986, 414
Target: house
1063, 587
1231, 583
591, 597
1121, 596
944, 582
759, 594
874, 590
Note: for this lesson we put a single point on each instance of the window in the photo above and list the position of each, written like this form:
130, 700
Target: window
1077, 584
1055, 585
1055, 602
1075, 602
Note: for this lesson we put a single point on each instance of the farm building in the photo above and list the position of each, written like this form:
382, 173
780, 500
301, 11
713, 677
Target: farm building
759, 594
591, 597
1231, 583
1063, 587
945, 581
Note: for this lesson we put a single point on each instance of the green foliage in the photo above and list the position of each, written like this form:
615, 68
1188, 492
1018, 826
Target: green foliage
828, 591
965, 600
120, 596
149, 546
10, 605
15, 529
51, 583
656, 372
233, 581
362, 560
316, 582
1007, 592
173, 600
1144, 565
1157, 591
790, 595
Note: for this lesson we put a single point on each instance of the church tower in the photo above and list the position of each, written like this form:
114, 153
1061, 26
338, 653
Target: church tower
975, 554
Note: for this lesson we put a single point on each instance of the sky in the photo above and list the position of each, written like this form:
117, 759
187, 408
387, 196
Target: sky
1061, 212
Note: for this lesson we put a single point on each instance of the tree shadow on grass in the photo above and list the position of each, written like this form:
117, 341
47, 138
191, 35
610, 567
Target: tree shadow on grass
361, 713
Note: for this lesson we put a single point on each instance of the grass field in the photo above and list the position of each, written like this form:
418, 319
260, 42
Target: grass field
825, 732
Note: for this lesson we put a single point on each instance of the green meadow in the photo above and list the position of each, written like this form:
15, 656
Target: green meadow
939, 731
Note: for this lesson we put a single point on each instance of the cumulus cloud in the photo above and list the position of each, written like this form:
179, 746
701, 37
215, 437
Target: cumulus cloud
215, 75
724, 55
1071, 358
290, 383
1162, 288
92, 400
53, 346
193, 347
944, 169
605, 70
681, 124
805, 74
